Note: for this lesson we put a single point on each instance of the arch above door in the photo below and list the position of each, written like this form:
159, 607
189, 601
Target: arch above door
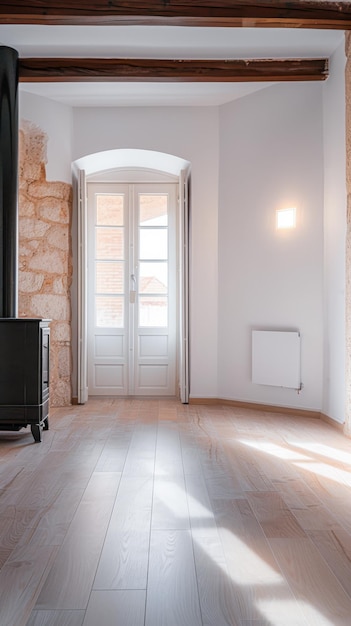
129, 158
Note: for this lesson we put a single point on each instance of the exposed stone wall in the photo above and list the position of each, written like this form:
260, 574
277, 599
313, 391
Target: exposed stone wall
45, 258
347, 428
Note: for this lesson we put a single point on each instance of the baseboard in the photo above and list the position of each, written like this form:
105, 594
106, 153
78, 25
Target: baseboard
208, 401
268, 408
257, 407
332, 422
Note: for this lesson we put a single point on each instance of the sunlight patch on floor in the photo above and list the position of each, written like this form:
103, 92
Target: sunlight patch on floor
249, 568
327, 451
275, 450
172, 494
286, 612
322, 469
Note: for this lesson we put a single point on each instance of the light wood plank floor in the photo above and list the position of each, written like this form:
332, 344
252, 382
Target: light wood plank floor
150, 513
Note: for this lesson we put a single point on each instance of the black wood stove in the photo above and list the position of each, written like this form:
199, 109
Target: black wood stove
24, 343
24, 374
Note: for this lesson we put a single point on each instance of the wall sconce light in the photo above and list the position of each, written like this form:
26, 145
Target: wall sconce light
286, 218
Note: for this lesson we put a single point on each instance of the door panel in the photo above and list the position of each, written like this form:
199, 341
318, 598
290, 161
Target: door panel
107, 345
109, 376
155, 314
132, 289
108, 236
155, 345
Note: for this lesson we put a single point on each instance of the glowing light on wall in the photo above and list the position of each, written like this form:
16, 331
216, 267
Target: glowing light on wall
286, 218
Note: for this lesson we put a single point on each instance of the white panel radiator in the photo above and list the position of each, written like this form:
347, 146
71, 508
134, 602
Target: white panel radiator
276, 358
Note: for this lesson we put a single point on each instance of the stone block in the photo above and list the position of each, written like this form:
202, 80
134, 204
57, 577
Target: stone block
24, 251
60, 332
29, 282
49, 306
45, 189
54, 210
26, 208
64, 361
33, 244
47, 284
28, 249
58, 237
24, 305
30, 228
65, 191
51, 262
60, 393
59, 285
30, 171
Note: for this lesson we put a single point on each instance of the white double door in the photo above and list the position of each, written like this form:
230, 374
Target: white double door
132, 293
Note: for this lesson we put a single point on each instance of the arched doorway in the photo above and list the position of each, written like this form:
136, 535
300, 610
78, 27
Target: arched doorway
133, 168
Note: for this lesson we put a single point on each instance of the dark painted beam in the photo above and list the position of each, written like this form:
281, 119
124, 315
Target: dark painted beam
249, 13
165, 70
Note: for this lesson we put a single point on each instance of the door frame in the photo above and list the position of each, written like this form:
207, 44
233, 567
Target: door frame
182, 175
136, 370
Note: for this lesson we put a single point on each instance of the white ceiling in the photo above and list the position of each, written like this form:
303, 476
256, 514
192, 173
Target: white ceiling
160, 42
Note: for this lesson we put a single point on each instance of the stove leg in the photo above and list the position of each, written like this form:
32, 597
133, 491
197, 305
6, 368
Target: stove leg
46, 424
36, 432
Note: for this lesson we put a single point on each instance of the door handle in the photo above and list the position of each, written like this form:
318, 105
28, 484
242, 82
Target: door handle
132, 293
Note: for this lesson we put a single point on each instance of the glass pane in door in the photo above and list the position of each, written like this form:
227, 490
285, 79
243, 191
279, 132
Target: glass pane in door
153, 277
109, 312
153, 311
153, 210
109, 242
109, 277
109, 210
153, 243
109, 261
153, 261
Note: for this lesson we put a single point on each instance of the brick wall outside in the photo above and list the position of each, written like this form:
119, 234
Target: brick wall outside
45, 256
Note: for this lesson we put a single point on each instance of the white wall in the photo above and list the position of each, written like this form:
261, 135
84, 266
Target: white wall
262, 152
271, 156
192, 134
56, 121
334, 387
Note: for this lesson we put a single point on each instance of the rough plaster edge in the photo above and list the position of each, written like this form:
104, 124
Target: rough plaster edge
33, 132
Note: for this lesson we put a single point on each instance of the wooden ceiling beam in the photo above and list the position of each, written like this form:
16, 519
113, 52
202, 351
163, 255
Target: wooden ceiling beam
245, 13
166, 70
